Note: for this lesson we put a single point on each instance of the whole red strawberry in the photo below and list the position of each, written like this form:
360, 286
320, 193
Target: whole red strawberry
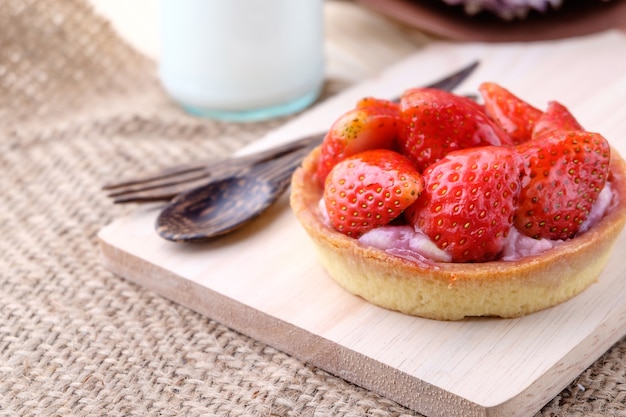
514, 115
373, 124
436, 122
468, 202
556, 117
566, 171
370, 189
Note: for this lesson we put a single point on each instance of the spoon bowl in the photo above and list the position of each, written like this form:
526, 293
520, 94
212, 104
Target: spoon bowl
225, 205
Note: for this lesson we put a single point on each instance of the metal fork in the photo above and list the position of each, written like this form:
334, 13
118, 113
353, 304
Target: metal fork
169, 182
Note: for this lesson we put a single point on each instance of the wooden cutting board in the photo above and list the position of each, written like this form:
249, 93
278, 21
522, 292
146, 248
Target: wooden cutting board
265, 281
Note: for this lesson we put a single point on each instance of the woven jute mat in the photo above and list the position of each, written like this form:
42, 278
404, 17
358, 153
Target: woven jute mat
78, 107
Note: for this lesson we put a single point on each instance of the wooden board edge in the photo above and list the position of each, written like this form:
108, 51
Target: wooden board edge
582, 356
322, 353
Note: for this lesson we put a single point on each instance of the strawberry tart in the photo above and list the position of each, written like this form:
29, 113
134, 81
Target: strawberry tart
444, 208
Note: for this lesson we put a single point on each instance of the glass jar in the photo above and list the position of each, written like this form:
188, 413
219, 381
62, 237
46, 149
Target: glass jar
242, 60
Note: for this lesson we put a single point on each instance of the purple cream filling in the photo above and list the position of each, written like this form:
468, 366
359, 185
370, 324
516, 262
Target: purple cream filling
406, 242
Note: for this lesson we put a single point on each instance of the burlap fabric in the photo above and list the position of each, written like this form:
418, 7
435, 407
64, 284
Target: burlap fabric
78, 107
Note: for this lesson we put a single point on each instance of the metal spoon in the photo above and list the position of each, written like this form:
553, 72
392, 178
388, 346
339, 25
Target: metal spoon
223, 206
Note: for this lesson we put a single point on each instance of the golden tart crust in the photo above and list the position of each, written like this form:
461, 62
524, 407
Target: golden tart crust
452, 291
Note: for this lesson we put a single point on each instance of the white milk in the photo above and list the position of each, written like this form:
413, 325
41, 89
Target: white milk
242, 59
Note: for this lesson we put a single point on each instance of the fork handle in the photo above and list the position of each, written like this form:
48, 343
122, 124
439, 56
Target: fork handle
166, 177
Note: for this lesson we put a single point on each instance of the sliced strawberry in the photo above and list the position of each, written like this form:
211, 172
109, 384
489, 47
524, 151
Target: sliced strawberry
515, 116
370, 189
468, 202
556, 117
436, 122
363, 128
567, 170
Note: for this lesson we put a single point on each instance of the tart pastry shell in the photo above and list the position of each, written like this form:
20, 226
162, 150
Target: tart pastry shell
453, 291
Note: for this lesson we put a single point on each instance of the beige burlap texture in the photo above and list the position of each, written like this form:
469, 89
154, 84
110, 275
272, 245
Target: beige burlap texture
79, 107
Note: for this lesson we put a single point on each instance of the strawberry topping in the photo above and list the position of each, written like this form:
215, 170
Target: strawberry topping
511, 113
566, 172
369, 190
477, 182
437, 122
556, 117
468, 202
373, 124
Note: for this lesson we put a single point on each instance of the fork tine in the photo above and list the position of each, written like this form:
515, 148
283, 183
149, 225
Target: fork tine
206, 167
285, 161
157, 194
165, 173
162, 182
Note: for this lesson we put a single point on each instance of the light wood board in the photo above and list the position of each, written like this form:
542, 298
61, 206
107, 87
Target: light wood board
265, 281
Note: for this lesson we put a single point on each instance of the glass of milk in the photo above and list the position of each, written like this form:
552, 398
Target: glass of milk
242, 60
